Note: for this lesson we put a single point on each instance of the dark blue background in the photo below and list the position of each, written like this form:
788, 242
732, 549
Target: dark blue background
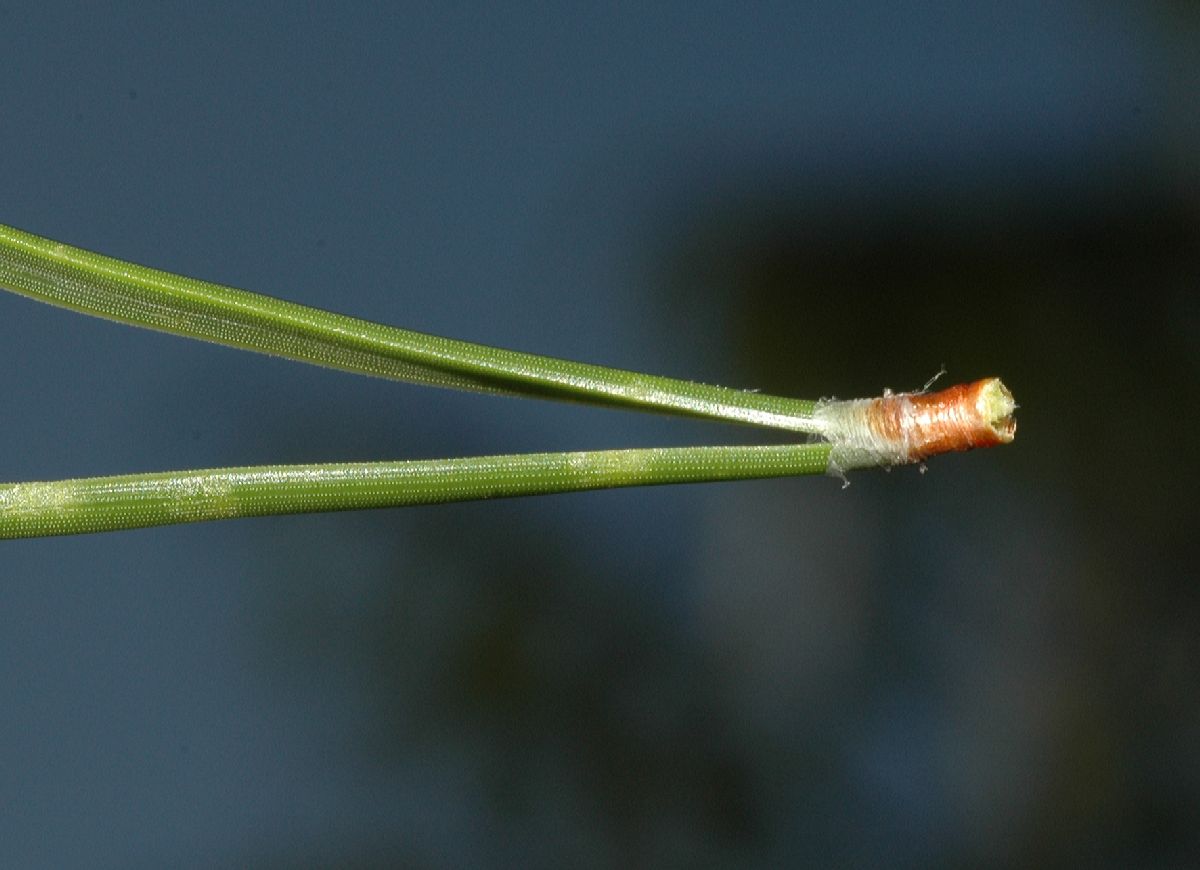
988, 665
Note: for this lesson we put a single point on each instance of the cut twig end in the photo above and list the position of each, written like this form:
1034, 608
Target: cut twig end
996, 405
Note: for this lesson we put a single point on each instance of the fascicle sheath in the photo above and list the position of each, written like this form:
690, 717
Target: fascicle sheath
901, 428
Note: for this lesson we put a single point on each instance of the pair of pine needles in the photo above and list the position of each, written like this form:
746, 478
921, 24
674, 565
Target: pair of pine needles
896, 428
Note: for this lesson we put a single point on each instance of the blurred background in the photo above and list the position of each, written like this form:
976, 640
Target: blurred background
986, 665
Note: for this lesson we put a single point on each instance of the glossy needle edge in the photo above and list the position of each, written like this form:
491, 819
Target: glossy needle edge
100, 504
95, 284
